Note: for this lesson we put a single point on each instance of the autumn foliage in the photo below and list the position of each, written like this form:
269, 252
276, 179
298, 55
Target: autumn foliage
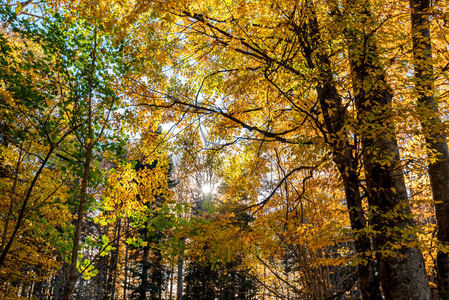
224, 149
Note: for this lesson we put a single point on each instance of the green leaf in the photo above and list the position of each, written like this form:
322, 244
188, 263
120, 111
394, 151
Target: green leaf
105, 240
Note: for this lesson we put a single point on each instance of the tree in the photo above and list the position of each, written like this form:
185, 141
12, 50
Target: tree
220, 40
433, 130
386, 188
212, 270
88, 56
71, 107
150, 270
35, 114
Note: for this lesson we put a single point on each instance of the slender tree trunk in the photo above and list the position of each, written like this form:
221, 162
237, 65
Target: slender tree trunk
157, 275
115, 261
38, 290
52, 288
22, 211
403, 274
78, 228
180, 276
11, 203
59, 283
89, 145
101, 269
144, 276
171, 282
100, 279
125, 286
107, 277
433, 132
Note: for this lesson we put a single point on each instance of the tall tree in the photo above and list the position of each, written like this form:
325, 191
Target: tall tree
403, 274
344, 155
87, 56
36, 116
433, 131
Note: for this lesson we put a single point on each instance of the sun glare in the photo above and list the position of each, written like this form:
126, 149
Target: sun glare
206, 188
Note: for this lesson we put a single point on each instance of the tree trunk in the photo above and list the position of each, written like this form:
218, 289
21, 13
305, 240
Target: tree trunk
347, 165
402, 271
157, 275
11, 203
78, 227
59, 283
125, 285
101, 269
22, 211
180, 270
334, 113
171, 282
115, 261
144, 276
433, 130
89, 145
100, 278
107, 277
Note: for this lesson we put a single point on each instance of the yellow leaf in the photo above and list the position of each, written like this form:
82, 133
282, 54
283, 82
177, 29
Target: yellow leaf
18, 9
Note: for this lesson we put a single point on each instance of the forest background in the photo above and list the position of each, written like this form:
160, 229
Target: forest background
224, 149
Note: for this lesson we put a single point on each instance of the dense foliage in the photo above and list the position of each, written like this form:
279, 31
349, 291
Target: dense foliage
224, 149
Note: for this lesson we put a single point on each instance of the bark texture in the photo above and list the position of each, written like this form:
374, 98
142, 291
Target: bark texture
402, 271
347, 166
433, 132
334, 113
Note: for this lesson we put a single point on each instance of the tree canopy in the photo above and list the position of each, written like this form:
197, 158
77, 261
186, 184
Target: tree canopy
224, 149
